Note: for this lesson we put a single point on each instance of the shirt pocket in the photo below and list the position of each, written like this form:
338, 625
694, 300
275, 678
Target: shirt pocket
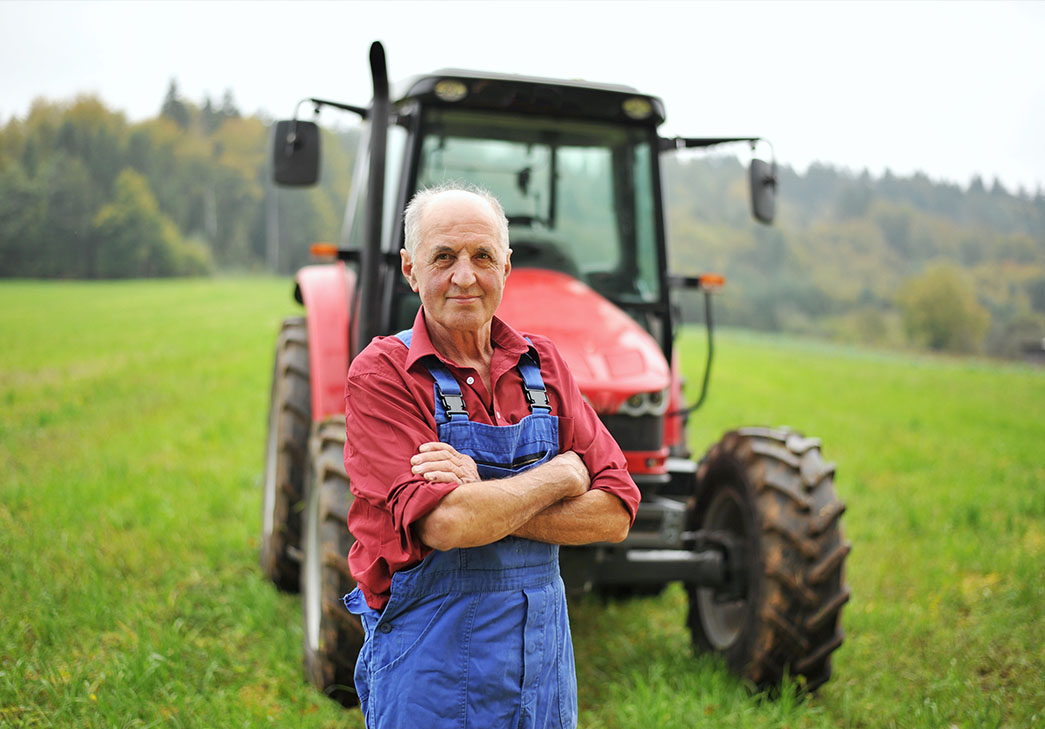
565, 434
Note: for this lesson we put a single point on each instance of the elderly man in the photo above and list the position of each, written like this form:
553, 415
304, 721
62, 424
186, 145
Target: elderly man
472, 456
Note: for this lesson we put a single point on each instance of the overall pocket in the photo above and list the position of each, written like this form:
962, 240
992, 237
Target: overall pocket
419, 660
565, 668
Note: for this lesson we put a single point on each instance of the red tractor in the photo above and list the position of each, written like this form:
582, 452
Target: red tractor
751, 528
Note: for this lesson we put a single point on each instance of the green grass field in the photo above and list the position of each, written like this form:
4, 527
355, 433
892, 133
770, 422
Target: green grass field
131, 444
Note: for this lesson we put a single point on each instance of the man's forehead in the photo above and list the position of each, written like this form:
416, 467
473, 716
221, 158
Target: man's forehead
457, 205
438, 244
461, 220
456, 243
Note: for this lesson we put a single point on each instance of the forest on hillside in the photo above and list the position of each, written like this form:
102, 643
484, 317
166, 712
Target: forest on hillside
887, 260
85, 194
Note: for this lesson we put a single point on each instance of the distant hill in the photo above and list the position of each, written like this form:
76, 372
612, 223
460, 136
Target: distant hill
888, 260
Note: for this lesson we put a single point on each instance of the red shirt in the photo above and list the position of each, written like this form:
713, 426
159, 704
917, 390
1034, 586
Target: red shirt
390, 412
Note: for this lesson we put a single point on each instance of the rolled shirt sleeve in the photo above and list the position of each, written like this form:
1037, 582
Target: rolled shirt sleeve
384, 428
584, 433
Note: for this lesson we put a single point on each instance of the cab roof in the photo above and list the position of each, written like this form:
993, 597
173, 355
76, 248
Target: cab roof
461, 88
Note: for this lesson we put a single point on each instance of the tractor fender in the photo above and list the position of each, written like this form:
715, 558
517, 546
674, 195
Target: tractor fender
327, 291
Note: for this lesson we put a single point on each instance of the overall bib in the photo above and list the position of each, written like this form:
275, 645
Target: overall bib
475, 638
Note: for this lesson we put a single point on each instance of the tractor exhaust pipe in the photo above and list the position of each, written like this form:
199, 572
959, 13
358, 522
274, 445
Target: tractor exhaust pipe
366, 312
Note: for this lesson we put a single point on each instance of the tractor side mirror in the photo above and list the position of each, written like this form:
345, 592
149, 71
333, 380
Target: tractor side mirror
295, 153
763, 190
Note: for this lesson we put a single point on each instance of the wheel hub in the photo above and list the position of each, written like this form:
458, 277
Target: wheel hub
723, 611
311, 582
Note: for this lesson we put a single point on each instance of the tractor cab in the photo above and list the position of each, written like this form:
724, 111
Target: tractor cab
578, 190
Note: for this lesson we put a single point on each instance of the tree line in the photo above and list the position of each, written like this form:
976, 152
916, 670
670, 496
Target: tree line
884, 260
85, 194
888, 260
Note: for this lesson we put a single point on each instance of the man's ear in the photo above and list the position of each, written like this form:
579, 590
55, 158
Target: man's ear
407, 267
508, 263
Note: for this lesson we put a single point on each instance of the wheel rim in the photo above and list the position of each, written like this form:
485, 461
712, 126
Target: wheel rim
723, 621
271, 456
311, 584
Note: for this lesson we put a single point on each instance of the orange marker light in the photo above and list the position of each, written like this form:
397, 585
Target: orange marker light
712, 281
323, 250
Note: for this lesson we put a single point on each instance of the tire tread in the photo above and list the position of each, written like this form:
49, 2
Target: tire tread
799, 591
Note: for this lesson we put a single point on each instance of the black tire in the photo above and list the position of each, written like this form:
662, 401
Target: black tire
286, 457
332, 635
770, 490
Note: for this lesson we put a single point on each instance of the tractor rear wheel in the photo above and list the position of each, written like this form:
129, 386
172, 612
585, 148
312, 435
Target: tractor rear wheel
286, 451
771, 494
332, 635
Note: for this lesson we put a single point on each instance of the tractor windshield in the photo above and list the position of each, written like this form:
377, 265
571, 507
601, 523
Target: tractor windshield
578, 195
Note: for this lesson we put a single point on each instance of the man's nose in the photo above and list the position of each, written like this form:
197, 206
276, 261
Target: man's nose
463, 274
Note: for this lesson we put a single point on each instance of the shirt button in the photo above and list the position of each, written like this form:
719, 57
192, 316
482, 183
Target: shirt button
498, 414
470, 380
385, 627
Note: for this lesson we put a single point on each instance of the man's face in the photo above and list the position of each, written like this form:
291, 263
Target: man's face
459, 267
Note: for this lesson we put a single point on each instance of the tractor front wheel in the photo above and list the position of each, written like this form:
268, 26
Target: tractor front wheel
770, 495
286, 450
332, 635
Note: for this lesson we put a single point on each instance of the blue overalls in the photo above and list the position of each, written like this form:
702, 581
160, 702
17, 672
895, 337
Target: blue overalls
475, 638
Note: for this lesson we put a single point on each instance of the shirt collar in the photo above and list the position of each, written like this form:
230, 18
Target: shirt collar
504, 338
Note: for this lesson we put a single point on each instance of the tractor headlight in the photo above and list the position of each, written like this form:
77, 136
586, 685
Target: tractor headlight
451, 90
637, 108
645, 403
658, 402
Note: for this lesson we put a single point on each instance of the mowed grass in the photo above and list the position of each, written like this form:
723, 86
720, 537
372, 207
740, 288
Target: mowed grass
941, 463
132, 421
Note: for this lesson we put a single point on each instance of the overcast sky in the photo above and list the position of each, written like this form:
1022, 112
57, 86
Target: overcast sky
952, 89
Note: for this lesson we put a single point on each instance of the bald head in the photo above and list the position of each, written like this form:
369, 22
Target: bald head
450, 194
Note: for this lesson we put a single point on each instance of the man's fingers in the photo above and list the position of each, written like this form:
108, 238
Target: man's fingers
423, 458
441, 464
428, 451
435, 445
442, 477
443, 459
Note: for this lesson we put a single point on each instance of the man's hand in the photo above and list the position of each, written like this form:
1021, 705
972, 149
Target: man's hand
578, 472
440, 462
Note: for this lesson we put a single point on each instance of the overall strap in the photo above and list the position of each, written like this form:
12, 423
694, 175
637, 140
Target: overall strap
533, 383
448, 398
449, 403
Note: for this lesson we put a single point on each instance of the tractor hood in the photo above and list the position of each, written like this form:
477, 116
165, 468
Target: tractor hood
610, 355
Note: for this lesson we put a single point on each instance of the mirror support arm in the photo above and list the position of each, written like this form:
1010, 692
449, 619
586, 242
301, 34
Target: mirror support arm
710, 325
672, 143
708, 284
320, 103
